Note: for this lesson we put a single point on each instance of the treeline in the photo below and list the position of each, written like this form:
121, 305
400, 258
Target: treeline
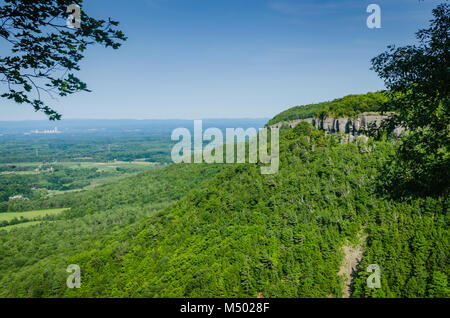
348, 106
18, 149
28, 184
22, 219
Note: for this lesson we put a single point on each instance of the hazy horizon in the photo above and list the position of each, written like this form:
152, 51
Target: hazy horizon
162, 127
131, 119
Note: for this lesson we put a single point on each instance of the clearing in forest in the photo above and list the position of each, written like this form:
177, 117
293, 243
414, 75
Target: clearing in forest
352, 258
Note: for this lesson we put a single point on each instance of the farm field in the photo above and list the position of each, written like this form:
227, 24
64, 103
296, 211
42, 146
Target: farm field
8, 216
36, 180
22, 225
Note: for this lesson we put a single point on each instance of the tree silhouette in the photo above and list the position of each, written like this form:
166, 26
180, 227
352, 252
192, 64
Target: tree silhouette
45, 51
417, 77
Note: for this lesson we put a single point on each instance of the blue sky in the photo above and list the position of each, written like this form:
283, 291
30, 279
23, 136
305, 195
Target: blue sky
192, 59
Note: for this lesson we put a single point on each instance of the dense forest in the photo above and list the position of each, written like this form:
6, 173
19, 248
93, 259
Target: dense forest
95, 215
240, 233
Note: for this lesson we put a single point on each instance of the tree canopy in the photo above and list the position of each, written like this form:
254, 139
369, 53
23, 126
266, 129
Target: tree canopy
417, 78
45, 52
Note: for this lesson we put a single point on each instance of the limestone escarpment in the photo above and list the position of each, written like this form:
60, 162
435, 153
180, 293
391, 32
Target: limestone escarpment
352, 126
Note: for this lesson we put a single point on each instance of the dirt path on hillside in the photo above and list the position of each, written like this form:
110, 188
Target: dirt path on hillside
352, 258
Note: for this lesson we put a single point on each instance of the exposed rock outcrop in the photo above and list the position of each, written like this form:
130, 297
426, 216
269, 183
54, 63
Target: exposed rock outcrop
352, 127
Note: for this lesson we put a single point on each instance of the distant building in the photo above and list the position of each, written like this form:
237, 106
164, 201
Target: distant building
48, 131
18, 197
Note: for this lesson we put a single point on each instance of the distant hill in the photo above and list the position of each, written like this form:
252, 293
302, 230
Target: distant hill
348, 106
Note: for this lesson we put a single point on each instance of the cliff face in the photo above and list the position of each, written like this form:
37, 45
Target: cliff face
352, 127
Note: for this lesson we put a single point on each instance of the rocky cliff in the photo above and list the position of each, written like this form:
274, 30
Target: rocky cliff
352, 127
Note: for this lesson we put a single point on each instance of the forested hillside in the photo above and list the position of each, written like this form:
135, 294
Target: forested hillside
242, 233
95, 216
348, 106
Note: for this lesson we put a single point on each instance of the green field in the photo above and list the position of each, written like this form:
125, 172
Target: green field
40, 180
76, 165
22, 225
29, 215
